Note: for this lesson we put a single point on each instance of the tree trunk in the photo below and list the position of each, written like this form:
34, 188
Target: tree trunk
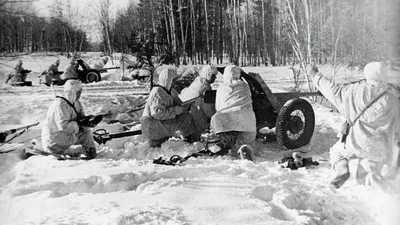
320, 32
152, 16
221, 36
308, 17
182, 32
166, 19
245, 34
173, 34
199, 25
207, 35
264, 55
193, 18
238, 31
296, 40
272, 34
332, 31
32, 39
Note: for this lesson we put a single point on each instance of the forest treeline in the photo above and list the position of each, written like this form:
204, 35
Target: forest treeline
23, 30
244, 32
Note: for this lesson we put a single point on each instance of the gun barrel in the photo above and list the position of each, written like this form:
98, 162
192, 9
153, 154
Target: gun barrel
11, 131
110, 68
101, 136
125, 134
190, 101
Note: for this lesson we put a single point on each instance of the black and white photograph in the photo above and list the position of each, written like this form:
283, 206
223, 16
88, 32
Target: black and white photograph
199, 112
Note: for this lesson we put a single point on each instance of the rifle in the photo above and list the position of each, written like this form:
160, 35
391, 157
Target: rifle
186, 103
190, 101
210, 96
12, 75
101, 136
25, 71
91, 120
46, 72
9, 77
3, 135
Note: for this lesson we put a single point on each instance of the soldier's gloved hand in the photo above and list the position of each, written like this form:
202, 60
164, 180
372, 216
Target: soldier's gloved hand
90, 121
95, 120
179, 110
85, 121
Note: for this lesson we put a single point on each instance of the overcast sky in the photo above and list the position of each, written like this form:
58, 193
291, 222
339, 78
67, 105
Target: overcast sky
44, 6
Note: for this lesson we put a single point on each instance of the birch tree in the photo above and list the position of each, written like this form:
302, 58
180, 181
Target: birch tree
173, 32
103, 14
183, 36
207, 27
298, 18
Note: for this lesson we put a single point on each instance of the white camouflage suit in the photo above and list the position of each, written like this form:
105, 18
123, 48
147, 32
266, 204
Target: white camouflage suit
72, 70
200, 110
375, 135
234, 108
163, 115
61, 133
18, 75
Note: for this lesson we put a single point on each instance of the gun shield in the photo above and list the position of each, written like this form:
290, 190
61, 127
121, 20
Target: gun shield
209, 96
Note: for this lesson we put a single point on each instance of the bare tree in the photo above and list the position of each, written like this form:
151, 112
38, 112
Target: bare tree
103, 15
299, 24
207, 35
183, 36
173, 32
193, 30
264, 32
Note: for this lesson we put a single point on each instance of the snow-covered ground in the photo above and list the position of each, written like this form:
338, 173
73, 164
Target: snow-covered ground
122, 186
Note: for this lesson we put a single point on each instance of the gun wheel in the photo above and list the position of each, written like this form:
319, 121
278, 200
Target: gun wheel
93, 76
295, 124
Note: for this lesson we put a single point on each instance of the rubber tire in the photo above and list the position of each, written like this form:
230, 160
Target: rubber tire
90, 74
283, 118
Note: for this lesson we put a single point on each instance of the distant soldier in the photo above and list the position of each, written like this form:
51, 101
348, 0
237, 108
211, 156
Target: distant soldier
19, 75
53, 73
72, 71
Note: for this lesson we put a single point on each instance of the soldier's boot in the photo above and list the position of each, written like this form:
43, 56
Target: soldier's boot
90, 152
227, 141
157, 143
342, 173
246, 152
